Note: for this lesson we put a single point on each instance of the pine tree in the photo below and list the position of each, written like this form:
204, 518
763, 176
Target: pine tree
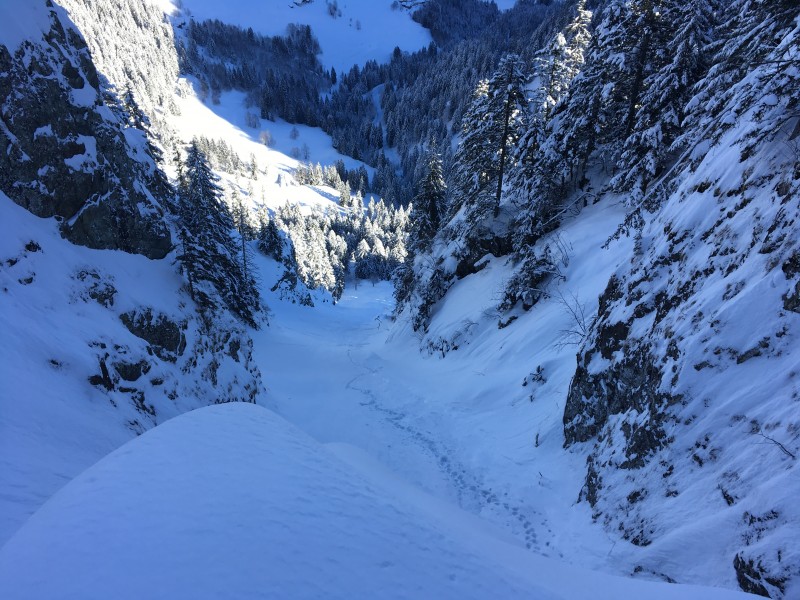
210, 256
491, 128
428, 204
533, 187
473, 161
556, 65
593, 118
270, 241
680, 40
506, 90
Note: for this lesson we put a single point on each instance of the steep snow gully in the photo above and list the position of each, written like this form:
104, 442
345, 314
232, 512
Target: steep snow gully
346, 387
466, 427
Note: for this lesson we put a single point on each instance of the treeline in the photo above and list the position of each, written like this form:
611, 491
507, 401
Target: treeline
618, 98
281, 74
323, 249
422, 96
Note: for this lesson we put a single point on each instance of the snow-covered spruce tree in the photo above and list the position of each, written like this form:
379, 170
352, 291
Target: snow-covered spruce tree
599, 110
270, 241
531, 185
428, 204
680, 38
247, 232
556, 65
209, 251
532, 188
492, 126
425, 214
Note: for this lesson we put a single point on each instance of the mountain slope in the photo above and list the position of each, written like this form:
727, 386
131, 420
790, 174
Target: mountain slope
58, 126
350, 33
102, 338
232, 501
648, 221
682, 403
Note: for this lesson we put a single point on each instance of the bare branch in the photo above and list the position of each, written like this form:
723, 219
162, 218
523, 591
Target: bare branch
778, 444
579, 321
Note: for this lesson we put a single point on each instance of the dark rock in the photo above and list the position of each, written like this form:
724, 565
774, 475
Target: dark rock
642, 309
642, 441
611, 337
104, 379
592, 484
753, 578
791, 268
132, 371
113, 225
233, 349
165, 337
99, 289
611, 294
631, 384
137, 397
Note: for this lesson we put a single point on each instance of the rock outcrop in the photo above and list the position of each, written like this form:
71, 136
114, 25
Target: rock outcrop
68, 150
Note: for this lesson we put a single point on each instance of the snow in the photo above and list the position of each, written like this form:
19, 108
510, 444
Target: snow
275, 185
374, 462
53, 423
22, 21
87, 159
462, 428
366, 30
505, 4
232, 501
360, 480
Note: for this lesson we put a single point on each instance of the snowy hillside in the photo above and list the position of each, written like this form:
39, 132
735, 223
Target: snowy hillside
519, 302
102, 340
232, 501
350, 32
117, 349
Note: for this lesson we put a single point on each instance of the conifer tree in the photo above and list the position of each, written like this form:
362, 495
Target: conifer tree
491, 127
533, 187
681, 40
428, 203
270, 241
209, 254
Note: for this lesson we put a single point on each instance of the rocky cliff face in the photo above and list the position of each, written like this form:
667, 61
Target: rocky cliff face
68, 151
685, 398
100, 345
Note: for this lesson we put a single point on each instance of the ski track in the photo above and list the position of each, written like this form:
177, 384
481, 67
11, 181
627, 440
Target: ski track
471, 492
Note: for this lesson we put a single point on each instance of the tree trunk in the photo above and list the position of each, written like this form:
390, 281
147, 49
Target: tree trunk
503, 143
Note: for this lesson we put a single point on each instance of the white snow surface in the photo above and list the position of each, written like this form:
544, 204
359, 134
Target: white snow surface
232, 501
275, 184
366, 30
20, 21
53, 423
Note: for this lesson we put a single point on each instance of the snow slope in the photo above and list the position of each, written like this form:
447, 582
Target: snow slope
60, 313
274, 184
232, 501
19, 21
464, 428
365, 30
54, 422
